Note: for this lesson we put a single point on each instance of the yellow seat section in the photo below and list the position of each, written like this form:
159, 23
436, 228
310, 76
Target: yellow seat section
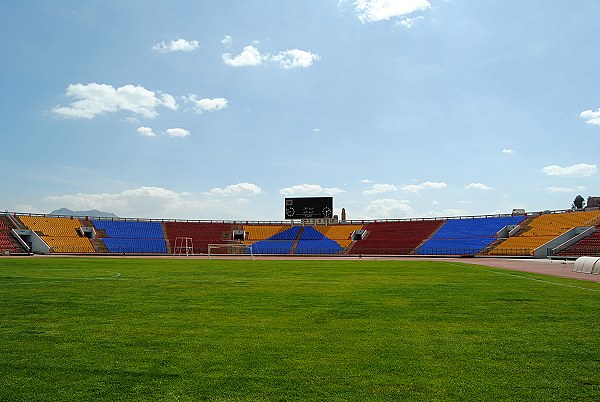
262, 232
52, 226
59, 233
69, 244
342, 234
543, 229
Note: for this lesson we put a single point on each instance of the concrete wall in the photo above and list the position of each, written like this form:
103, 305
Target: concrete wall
542, 251
32, 240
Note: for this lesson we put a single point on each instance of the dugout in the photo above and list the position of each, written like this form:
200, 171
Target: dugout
587, 265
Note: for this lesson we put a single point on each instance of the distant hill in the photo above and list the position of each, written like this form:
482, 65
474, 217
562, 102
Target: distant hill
94, 212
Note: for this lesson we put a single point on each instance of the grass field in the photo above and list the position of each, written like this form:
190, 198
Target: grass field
184, 330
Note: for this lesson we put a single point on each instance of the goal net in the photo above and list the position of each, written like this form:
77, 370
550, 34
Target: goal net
183, 246
234, 249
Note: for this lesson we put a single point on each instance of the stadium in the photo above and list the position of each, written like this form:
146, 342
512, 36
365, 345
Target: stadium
312, 230
315, 308
168, 230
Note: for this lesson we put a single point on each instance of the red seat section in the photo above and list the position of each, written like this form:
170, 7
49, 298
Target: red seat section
6, 241
201, 233
395, 238
588, 246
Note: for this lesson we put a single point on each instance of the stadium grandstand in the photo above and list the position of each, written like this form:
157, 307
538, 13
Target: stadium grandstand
567, 233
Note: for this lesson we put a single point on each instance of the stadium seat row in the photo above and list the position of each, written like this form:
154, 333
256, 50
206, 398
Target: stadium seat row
468, 235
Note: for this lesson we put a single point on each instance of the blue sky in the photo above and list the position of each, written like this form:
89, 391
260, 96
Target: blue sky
220, 109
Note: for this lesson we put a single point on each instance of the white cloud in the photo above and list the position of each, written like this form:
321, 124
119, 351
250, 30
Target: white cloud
237, 190
380, 188
96, 99
153, 202
388, 208
415, 188
380, 10
448, 212
294, 58
575, 189
410, 22
177, 132
206, 104
128, 202
310, 189
250, 56
146, 132
477, 186
227, 40
179, 45
133, 120
509, 151
169, 101
579, 170
316, 130
29, 208
367, 181
591, 117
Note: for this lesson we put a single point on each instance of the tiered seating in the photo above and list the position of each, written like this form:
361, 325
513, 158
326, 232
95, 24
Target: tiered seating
313, 241
59, 233
5, 242
132, 237
49, 226
289, 234
589, 246
263, 232
466, 236
65, 244
201, 233
272, 247
341, 233
279, 243
395, 238
542, 229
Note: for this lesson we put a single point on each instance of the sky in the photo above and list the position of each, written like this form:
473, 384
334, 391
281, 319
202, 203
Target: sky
220, 109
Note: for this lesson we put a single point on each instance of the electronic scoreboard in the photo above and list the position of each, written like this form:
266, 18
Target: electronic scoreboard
309, 208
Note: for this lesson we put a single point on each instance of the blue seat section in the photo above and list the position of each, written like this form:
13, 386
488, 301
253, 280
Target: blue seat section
311, 242
131, 230
320, 246
117, 245
466, 236
289, 234
132, 237
272, 247
455, 246
310, 233
281, 243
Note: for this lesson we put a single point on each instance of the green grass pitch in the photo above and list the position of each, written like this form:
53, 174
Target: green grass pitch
185, 330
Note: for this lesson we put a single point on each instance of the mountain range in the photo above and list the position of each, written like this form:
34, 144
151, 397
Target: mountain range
91, 213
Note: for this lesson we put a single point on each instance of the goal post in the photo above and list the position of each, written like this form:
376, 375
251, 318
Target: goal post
233, 249
184, 246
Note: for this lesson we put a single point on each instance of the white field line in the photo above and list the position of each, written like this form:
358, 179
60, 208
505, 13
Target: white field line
523, 277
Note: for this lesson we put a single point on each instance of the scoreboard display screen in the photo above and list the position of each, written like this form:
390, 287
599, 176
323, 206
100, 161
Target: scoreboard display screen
309, 208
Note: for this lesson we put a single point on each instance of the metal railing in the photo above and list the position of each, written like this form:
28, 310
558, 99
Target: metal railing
291, 222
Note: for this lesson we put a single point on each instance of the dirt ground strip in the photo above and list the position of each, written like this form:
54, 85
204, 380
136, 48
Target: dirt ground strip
562, 268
